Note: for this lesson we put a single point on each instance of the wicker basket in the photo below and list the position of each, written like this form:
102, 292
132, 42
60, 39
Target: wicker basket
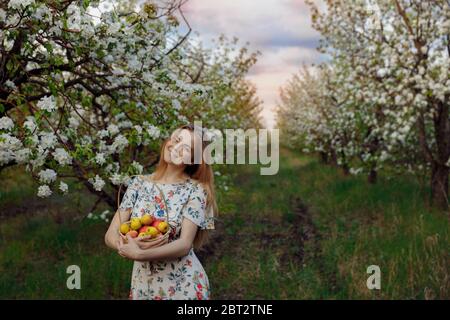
164, 238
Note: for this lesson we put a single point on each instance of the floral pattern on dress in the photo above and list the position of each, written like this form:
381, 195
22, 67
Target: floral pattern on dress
183, 277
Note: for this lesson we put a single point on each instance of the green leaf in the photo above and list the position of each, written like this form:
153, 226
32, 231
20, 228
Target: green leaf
52, 87
86, 4
58, 61
48, 47
10, 65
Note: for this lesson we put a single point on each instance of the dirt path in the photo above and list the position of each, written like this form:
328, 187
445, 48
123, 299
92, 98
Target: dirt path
289, 236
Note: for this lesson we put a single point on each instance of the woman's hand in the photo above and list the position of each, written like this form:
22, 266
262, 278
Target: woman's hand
172, 250
130, 249
144, 245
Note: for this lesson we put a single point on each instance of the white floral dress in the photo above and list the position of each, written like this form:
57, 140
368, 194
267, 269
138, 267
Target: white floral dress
181, 278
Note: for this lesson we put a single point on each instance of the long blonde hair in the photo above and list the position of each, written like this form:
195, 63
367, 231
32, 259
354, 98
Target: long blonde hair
202, 173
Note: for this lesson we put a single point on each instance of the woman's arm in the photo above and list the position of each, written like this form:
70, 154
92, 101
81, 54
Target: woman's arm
112, 235
172, 250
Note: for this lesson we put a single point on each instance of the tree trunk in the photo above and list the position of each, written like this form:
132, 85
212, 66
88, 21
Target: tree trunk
440, 171
439, 186
373, 175
345, 169
324, 157
333, 158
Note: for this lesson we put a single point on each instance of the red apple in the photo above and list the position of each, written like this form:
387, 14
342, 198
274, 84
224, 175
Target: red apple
155, 223
143, 229
133, 233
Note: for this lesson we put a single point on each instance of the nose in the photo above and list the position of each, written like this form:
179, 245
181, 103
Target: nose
176, 150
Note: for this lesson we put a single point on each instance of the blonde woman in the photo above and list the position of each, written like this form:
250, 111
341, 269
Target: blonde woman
171, 270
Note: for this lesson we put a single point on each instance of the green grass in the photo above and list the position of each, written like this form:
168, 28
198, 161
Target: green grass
357, 225
34, 260
261, 250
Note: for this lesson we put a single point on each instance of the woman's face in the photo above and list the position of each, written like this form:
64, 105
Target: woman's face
179, 149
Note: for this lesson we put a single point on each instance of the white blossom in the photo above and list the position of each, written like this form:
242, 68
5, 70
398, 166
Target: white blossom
62, 156
120, 142
116, 179
74, 16
47, 176
100, 158
42, 13
22, 156
103, 134
63, 187
74, 123
48, 140
153, 132
138, 128
47, 103
104, 214
134, 64
137, 166
113, 129
176, 104
125, 124
17, 4
8, 83
6, 123
8, 145
97, 182
2, 16
30, 123
44, 191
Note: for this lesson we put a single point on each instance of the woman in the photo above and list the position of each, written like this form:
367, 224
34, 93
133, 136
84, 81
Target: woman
172, 270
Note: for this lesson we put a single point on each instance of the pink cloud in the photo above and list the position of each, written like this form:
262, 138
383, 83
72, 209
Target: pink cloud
280, 29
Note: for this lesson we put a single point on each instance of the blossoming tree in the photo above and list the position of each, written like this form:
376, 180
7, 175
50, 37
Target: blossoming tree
86, 93
392, 67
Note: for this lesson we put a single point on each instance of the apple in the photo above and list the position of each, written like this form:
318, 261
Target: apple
152, 231
142, 234
133, 233
146, 219
124, 228
163, 226
143, 229
156, 222
135, 223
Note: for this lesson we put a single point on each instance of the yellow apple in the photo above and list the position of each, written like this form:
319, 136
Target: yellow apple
124, 228
163, 227
146, 219
135, 223
152, 231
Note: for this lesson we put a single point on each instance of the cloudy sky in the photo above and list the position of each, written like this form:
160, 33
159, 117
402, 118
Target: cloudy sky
280, 29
